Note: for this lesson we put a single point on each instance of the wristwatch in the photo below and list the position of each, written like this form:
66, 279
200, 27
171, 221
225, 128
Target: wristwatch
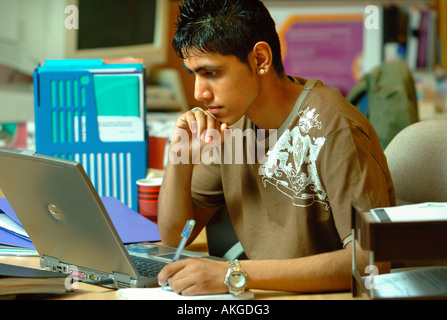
236, 279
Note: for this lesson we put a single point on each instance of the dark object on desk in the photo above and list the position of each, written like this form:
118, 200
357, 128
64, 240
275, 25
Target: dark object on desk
20, 280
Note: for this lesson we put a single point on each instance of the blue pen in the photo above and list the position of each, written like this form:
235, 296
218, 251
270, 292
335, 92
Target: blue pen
185, 235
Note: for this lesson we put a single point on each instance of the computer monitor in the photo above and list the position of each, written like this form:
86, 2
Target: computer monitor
33, 31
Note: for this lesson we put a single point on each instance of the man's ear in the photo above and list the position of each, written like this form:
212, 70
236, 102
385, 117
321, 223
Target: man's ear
263, 57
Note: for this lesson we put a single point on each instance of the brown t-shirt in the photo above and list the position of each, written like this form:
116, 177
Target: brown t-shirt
296, 200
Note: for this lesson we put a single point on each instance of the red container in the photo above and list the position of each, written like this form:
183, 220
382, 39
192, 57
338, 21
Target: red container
148, 190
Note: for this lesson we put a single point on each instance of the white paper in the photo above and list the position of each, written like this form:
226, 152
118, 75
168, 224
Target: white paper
167, 294
119, 128
429, 211
413, 283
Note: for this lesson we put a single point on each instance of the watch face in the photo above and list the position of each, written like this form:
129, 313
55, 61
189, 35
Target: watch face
237, 279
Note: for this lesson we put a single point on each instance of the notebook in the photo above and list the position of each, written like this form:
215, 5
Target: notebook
68, 224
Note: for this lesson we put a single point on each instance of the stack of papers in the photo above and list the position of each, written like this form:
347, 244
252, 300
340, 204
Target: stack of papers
168, 294
20, 280
428, 211
130, 225
11, 231
411, 283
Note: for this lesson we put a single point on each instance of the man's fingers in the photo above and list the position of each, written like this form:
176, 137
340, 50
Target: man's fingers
169, 271
206, 123
203, 125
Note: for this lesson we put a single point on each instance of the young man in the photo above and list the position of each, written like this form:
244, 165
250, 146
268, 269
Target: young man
291, 209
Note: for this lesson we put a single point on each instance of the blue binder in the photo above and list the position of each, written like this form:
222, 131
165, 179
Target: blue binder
94, 112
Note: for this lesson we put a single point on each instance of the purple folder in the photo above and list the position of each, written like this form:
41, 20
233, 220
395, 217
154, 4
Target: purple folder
130, 225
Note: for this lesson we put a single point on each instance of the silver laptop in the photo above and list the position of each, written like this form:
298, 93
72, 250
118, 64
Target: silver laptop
69, 226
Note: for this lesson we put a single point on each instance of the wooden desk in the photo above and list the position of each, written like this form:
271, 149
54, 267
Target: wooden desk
91, 292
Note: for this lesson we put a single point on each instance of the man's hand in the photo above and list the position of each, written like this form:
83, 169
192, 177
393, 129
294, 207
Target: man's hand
201, 123
195, 276
194, 130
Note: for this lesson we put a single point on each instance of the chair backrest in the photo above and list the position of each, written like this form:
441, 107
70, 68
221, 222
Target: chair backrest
417, 158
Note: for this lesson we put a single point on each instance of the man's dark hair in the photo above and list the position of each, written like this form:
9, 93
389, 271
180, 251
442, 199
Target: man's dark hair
227, 27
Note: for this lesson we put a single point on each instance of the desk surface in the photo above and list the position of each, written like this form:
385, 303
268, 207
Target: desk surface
92, 292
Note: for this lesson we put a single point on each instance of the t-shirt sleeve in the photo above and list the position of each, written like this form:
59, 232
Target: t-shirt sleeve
206, 187
352, 173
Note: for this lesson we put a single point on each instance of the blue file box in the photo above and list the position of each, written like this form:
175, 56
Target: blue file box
94, 112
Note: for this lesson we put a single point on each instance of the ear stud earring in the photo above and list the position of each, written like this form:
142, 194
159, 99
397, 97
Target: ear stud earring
262, 71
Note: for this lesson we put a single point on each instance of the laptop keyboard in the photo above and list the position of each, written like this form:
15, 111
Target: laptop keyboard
147, 267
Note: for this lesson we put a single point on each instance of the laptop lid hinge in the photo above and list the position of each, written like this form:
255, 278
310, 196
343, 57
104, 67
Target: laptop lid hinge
121, 280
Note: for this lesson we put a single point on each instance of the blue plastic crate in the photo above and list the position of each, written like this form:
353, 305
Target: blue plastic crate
72, 99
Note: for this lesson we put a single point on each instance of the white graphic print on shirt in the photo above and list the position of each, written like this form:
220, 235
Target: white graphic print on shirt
291, 164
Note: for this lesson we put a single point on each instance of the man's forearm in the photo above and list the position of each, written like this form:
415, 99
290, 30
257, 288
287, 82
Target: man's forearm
330, 271
319, 273
175, 203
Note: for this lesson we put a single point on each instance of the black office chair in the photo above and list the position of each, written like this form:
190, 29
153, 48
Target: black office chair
221, 237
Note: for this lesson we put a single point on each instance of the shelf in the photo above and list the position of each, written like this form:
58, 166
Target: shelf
395, 242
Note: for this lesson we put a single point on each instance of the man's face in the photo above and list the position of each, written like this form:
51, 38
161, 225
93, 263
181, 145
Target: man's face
226, 86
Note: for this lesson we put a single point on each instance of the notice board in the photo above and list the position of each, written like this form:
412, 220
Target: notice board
330, 44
